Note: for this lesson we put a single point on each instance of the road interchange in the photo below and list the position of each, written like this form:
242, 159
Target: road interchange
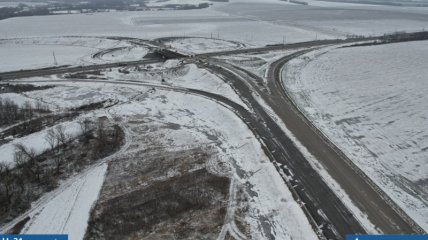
313, 190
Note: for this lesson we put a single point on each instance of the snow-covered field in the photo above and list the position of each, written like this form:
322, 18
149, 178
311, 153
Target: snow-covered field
254, 23
32, 53
196, 121
205, 122
35, 140
155, 24
17, 57
371, 102
192, 2
188, 76
122, 54
336, 20
15, 4
201, 45
68, 212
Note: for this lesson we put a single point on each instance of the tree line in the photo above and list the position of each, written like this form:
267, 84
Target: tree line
10, 12
11, 112
35, 172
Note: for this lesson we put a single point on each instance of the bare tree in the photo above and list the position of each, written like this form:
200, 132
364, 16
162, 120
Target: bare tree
20, 158
51, 139
39, 106
7, 180
60, 135
85, 125
28, 109
116, 134
101, 128
58, 163
30, 154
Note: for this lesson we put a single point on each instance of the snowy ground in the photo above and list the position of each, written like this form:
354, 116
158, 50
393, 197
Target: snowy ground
188, 76
202, 45
15, 4
121, 54
32, 53
254, 23
258, 64
364, 99
17, 57
182, 120
155, 24
68, 212
155, 3
35, 140
203, 122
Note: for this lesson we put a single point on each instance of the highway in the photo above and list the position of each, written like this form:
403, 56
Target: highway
258, 121
310, 186
67, 69
389, 218
287, 46
313, 189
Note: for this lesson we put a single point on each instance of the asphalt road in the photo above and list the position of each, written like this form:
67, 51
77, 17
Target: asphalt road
310, 186
67, 69
286, 46
276, 141
381, 214
355, 185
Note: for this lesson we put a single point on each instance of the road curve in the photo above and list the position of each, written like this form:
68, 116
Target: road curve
309, 185
258, 123
364, 193
352, 180
67, 69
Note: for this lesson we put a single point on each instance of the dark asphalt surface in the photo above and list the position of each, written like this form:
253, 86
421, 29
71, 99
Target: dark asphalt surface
361, 193
60, 70
287, 46
277, 142
311, 188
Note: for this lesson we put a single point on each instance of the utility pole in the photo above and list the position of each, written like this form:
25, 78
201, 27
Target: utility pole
55, 62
